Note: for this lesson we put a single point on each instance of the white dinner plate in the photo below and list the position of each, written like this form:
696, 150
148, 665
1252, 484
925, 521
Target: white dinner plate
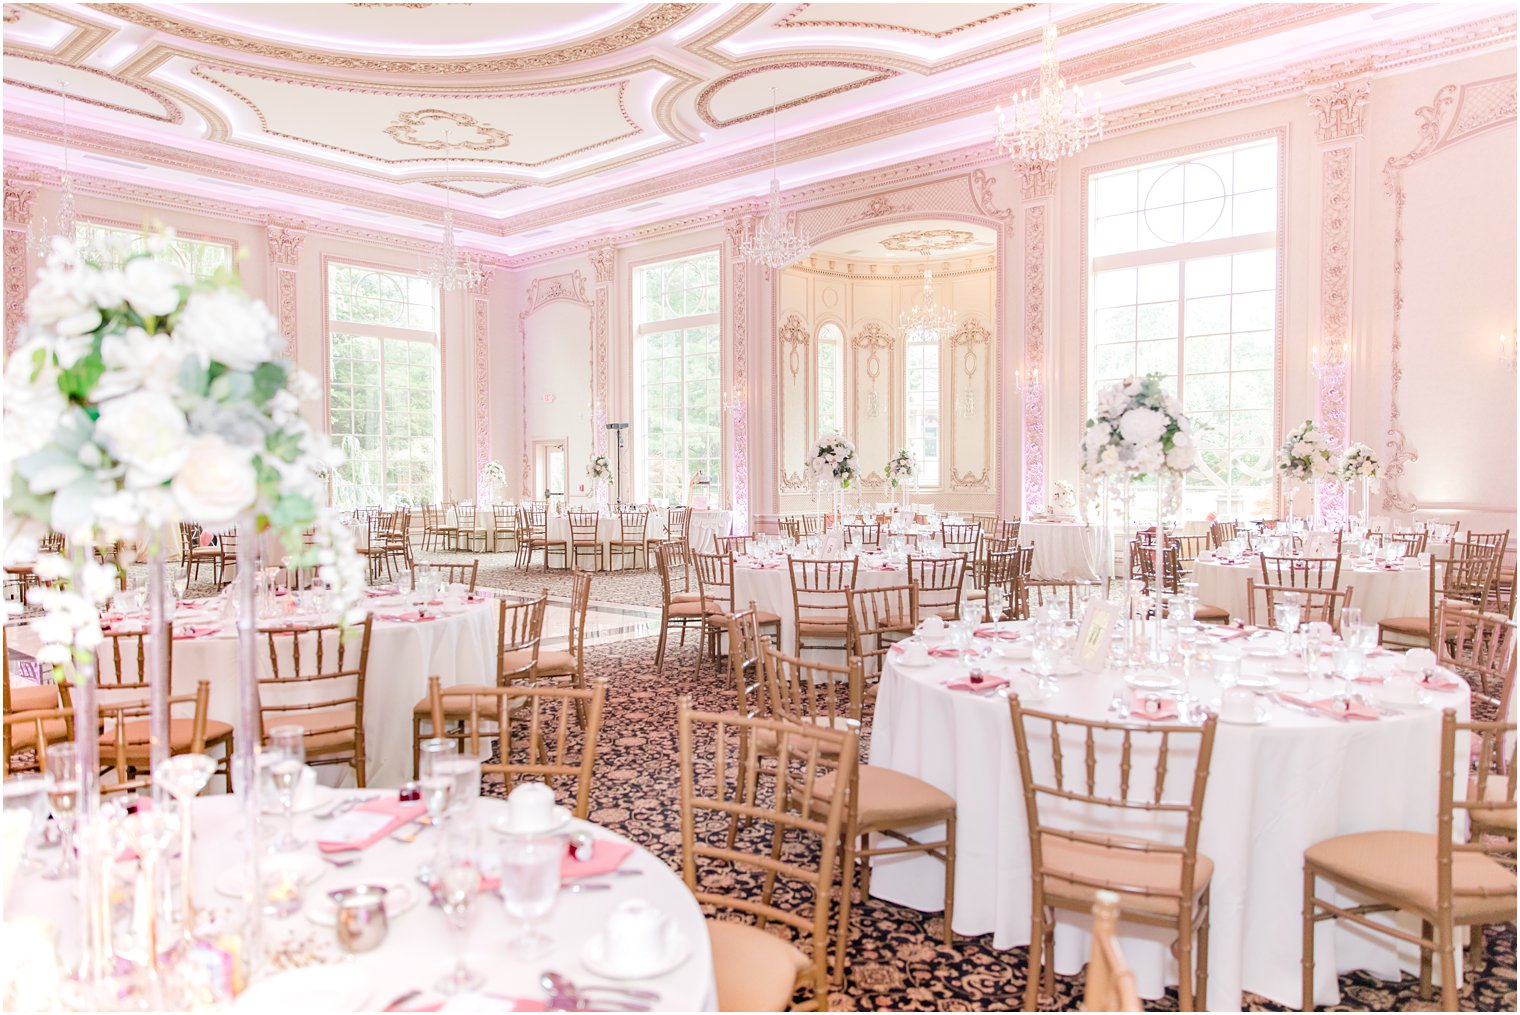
559, 819
304, 867
1153, 681
331, 988
1261, 716
399, 897
1263, 651
594, 957
1257, 681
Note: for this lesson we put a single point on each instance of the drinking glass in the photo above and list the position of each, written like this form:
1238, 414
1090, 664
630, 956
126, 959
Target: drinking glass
182, 777
64, 776
436, 773
1188, 648
1348, 661
972, 612
997, 602
529, 885
285, 760
456, 885
29, 792
1290, 610
1351, 619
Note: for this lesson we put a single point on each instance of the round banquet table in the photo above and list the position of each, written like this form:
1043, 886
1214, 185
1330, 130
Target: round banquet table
704, 525
769, 586
608, 530
1274, 790
459, 647
1069, 550
416, 951
1379, 592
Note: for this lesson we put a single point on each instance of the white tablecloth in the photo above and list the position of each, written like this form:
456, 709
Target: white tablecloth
771, 589
705, 525
1069, 551
1274, 790
416, 952
1379, 593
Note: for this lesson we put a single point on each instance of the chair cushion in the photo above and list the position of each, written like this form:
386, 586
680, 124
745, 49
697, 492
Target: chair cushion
459, 708
686, 597
1120, 868
180, 731
685, 608
518, 659
1211, 614
1400, 867
823, 628
33, 698
765, 740
24, 734
325, 729
1406, 625
754, 969
891, 799
556, 664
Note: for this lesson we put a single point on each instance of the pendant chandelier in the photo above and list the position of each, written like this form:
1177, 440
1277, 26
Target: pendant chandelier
927, 320
42, 237
772, 240
1053, 124
451, 268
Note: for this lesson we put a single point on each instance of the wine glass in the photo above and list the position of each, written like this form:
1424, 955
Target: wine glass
972, 612
285, 760
1348, 661
529, 886
1045, 651
455, 887
1290, 610
64, 776
1351, 619
997, 602
435, 770
182, 777
28, 791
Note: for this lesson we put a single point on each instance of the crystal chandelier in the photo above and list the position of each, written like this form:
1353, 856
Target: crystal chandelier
771, 240
42, 237
450, 267
1043, 129
926, 320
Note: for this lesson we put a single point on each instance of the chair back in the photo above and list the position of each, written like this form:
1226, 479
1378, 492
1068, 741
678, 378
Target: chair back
58, 700
454, 574
1410, 544
1007, 531
1110, 982
878, 613
1487, 750
1189, 547
736, 545
1478, 644
1466, 576
677, 523
580, 609
866, 535
464, 517
818, 589
537, 729
121, 664
715, 581
1321, 605
1222, 532
519, 632
633, 525
670, 556
1301, 572
745, 646
535, 519
810, 693
323, 666
1142, 564
1009, 570
1137, 777
503, 520
939, 581
792, 836
583, 526
964, 539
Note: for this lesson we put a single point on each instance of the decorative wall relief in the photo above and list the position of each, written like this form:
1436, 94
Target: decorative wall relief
284, 259
18, 216
739, 409
1035, 312
969, 345
873, 340
481, 349
982, 183
794, 340
602, 261
1458, 112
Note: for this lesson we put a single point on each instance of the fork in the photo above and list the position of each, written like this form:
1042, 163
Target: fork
408, 832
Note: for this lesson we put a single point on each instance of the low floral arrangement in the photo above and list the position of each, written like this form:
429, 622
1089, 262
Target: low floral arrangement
833, 461
1359, 462
1306, 455
139, 399
1063, 498
599, 468
1139, 432
492, 472
902, 467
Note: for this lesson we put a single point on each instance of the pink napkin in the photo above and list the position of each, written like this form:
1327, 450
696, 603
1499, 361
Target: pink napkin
409, 618
382, 590
606, 856
987, 683
987, 632
1438, 681
194, 632
518, 1004
472, 598
1155, 709
435, 602
401, 814
204, 539
1331, 706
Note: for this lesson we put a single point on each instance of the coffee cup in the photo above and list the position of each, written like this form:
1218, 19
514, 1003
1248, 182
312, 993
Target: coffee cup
1237, 704
932, 628
915, 653
635, 936
1227, 666
531, 807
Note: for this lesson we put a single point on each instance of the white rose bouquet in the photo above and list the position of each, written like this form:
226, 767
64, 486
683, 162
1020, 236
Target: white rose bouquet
599, 468
138, 399
1138, 432
1306, 455
901, 468
492, 472
833, 461
1359, 462
1063, 498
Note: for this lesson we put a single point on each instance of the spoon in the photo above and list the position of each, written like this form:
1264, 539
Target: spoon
558, 983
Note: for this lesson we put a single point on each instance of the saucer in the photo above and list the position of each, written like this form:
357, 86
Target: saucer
304, 867
902, 660
399, 897
1259, 681
1260, 718
560, 817
594, 957
1153, 681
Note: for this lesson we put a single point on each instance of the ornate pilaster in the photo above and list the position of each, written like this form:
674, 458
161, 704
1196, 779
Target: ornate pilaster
1039, 207
480, 349
284, 271
18, 216
602, 261
738, 404
1339, 112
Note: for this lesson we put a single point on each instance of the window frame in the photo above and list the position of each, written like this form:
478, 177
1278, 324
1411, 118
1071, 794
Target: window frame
137, 229
922, 481
840, 375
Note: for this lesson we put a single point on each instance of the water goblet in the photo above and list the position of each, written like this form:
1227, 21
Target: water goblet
182, 777
997, 603
456, 885
1351, 619
529, 886
1290, 610
30, 792
972, 612
284, 761
64, 777
1348, 661
436, 773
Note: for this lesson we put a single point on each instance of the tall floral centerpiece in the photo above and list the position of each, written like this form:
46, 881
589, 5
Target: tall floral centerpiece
901, 470
833, 467
139, 399
1360, 464
492, 478
1138, 433
599, 471
1306, 457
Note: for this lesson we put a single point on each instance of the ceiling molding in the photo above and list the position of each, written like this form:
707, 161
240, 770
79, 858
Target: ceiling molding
704, 100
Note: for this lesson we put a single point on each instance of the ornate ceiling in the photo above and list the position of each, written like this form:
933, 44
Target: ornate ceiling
544, 123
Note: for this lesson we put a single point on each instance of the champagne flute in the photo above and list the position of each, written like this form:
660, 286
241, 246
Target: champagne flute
285, 754
455, 887
182, 777
997, 602
436, 774
1290, 610
529, 886
64, 778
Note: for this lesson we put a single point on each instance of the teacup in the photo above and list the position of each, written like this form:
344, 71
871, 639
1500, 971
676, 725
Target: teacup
932, 628
1227, 666
531, 807
1237, 704
635, 936
915, 653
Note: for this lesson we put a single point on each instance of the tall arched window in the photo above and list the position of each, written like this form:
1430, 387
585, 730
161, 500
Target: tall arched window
923, 404
830, 378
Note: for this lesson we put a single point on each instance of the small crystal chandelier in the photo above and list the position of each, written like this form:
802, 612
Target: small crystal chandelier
42, 237
771, 240
926, 320
450, 267
1045, 130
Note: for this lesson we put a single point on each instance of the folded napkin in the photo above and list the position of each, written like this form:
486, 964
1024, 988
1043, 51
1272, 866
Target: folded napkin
194, 632
1332, 706
368, 823
408, 618
987, 683
1230, 634
473, 598
1155, 708
435, 602
606, 856
204, 539
1438, 681
480, 1003
987, 632
381, 590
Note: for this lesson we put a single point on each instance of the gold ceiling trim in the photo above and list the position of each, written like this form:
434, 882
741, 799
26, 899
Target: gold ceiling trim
786, 21
171, 111
404, 131
641, 27
878, 73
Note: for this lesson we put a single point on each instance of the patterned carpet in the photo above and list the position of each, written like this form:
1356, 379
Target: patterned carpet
899, 961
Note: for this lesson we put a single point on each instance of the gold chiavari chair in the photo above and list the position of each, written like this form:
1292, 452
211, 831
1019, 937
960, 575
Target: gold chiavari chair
1449, 880
519, 633
879, 618
793, 844
940, 582
398, 541
570, 663
29, 732
964, 539
1323, 605
1410, 544
1007, 530
1009, 570
504, 528
541, 717
537, 519
470, 527
715, 580
678, 527
1142, 563
454, 574
373, 549
633, 537
736, 545
1465, 577
432, 528
1301, 572
1110, 982
790, 526
126, 742
1161, 879
195, 556
585, 537
23, 701
1222, 532
681, 610
820, 609
745, 646
328, 660
863, 535
1478, 644
982, 566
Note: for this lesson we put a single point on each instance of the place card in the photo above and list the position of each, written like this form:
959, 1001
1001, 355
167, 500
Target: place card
1098, 620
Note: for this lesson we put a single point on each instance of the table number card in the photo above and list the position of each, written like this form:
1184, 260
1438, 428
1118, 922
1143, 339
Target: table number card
1098, 620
